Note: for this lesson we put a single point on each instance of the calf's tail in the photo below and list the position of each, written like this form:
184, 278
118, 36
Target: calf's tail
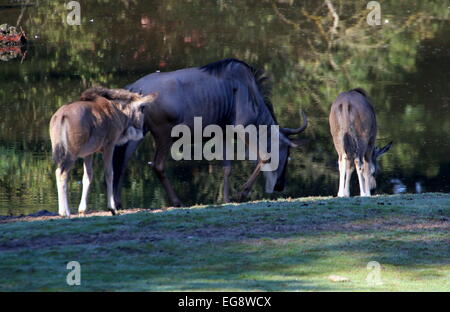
350, 145
60, 152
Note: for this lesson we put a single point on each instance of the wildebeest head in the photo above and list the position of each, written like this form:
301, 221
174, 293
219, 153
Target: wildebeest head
276, 180
374, 168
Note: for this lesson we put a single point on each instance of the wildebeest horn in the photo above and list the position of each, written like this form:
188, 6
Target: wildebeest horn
286, 141
291, 131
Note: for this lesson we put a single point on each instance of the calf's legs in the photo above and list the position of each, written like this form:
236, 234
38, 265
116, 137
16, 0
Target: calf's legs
361, 171
366, 169
87, 180
109, 176
348, 176
345, 175
63, 176
342, 175
61, 183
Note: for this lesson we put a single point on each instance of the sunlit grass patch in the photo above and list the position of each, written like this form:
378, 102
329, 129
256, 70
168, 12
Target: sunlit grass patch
291, 245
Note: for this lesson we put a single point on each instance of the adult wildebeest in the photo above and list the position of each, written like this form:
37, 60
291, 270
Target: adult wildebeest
227, 92
101, 119
353, 126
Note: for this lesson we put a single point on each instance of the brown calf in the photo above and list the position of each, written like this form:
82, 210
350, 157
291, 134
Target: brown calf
102, 119
353, 126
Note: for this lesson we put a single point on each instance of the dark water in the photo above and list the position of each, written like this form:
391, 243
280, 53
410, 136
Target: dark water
404, 64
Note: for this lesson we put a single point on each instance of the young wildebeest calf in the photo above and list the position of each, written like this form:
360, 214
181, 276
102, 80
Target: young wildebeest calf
353, 126
101, 119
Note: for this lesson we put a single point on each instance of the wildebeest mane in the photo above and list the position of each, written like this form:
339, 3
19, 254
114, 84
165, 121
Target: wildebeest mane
120, 95
219, 67
262, 82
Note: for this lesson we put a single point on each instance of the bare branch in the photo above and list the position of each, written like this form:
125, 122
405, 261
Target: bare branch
330, 6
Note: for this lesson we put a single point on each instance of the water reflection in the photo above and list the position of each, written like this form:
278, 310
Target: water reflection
12, 43
403, 64
398, 186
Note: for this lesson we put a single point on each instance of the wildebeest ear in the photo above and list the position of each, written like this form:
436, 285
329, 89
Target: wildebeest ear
381, 151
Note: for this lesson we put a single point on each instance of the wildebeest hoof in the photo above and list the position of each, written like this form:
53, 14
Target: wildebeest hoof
82, 214
113, 211
177, 204
243, 196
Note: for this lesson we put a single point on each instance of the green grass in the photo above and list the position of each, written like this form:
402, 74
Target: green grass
285, 245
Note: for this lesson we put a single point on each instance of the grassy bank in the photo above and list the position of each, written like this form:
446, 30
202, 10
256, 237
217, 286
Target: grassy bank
285, 245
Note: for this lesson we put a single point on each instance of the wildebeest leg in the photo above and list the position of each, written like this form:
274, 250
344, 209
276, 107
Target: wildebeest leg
360, 172
162, 149
61, 182
342, 171
253, 149
122, 155
109, 175
226, 181
87, 180
249, 184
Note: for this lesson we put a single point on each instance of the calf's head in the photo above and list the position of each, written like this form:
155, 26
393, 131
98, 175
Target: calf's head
135, 110
138, 107
131, 104
374, 168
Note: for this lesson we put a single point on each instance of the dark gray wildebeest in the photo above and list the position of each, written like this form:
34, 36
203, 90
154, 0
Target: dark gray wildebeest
101, 119
227, 92
353, 126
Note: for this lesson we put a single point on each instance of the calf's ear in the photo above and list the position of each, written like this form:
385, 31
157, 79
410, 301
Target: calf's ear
381, 151
142, 103
150, 97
